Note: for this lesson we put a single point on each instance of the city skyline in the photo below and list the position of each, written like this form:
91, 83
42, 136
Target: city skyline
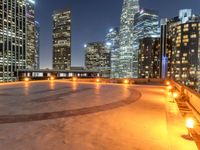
93, 28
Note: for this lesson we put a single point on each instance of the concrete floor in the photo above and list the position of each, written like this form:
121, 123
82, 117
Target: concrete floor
61, 115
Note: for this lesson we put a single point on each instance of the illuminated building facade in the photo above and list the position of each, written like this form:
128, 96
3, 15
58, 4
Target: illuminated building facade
184, 55
146, 24
149, 58
128, 63
97, 58
62, 40
166, 44
37, 40
112, 44
16, 39
31, 52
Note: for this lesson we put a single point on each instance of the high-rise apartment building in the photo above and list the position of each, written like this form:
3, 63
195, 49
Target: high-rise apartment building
97, 57
112, 44
128, 62
37, 40
16, 37
62, 40
184, 54
149, 58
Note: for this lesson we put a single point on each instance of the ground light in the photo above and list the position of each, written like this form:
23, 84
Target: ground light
52, 78
189, 125
175, 95
74, 79
169, 87
97, 80
168, 83
26, 79
126, 81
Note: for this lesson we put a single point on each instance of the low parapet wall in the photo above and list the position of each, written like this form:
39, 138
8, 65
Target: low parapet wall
130, 81
193, 98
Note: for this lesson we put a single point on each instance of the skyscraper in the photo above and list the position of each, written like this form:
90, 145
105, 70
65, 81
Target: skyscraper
146, 25
128, 63
62, 39
112, 44
37, 38
16, 38
31, 36
184, 54
97, 57
149, 58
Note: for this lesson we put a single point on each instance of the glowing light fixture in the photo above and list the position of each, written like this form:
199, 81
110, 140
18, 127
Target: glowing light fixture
26, 79
170, 87
52, 78
126, 81
175, 95
190, 123
98, 80
168, 83
74, 79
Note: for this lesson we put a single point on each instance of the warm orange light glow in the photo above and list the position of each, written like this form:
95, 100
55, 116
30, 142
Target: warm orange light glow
167, 83
170, 87
97, 80
126, 81
190, 123
74, 79
52, 78
175, 95
26, 79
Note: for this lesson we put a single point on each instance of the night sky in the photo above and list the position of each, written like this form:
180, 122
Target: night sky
91, 20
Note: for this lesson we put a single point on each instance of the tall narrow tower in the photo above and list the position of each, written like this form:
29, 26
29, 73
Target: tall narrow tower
62, 39
128, 67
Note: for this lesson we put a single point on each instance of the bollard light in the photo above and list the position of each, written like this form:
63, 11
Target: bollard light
175, 95
168, 83
26, 79
126, 81
74, 79
98, 80
169, 87
52, 78
190, 123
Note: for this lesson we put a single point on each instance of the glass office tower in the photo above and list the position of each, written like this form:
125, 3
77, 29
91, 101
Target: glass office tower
97, 58
127, 56
112, 44
62, 39
146, 25
15, 37
31, 36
